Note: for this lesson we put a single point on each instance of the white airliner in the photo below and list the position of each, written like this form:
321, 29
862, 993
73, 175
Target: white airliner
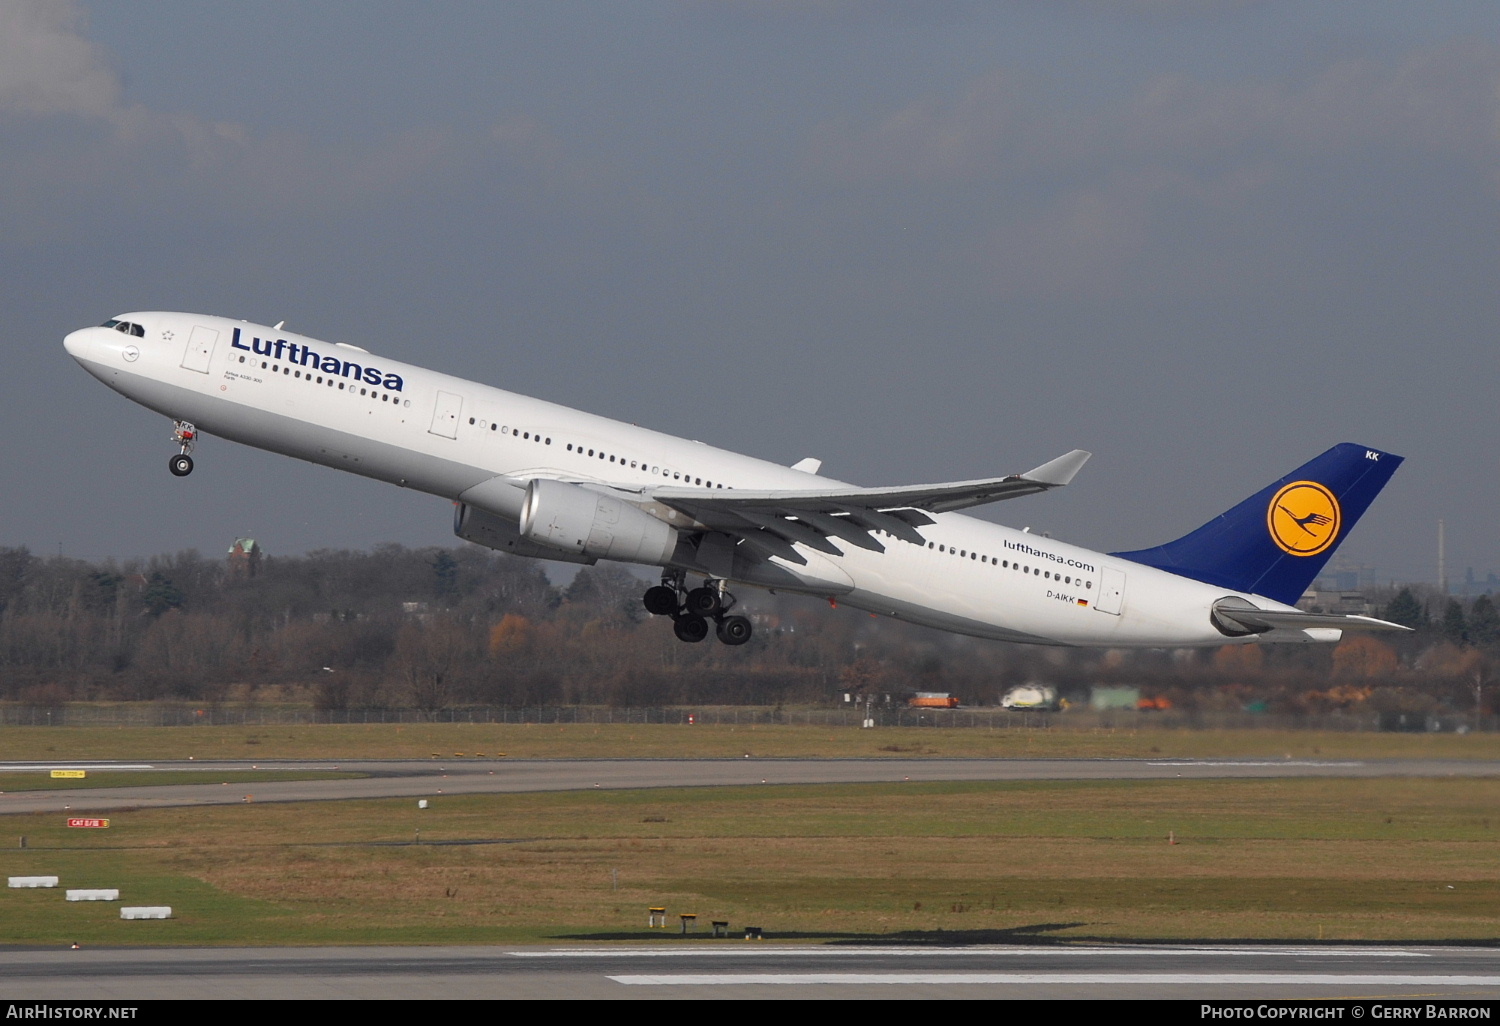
536, 479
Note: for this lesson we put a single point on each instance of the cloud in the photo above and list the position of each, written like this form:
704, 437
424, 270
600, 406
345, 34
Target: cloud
47, 66
1444, 98
976, 135
70, 139
1170, 183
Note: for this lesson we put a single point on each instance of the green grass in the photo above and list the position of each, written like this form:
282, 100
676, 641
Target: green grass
446, 741
1297, 859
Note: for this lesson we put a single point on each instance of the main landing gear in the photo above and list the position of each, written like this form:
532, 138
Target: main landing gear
691, 610
184, 434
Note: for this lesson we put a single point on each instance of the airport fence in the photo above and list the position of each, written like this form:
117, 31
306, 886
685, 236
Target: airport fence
155, 714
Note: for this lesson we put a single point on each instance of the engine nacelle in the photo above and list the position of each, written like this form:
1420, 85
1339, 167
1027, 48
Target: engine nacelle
482, 527
594, 525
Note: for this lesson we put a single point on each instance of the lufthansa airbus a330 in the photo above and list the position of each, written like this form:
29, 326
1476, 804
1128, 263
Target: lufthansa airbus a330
536, 479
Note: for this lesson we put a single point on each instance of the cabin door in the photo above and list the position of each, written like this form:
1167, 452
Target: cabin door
200, 349
1111, 590
445, 417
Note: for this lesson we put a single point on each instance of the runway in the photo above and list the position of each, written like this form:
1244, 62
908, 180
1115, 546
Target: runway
429, 778
707, 968
736, 969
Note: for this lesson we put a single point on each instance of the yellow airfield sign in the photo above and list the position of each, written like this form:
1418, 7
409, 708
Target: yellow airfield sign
69, 774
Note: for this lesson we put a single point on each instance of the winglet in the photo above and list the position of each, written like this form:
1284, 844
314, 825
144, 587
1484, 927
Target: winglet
809, 465
1060, 471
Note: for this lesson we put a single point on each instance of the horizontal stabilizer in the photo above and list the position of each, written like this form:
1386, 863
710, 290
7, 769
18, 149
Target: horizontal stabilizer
1258, 621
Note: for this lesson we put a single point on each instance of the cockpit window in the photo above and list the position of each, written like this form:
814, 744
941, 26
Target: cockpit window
127, 327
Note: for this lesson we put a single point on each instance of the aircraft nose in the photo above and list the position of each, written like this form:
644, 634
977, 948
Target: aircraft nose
79, 344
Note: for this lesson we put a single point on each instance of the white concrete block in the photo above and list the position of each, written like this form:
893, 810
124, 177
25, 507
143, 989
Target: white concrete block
146, 912
33, 881
94, 894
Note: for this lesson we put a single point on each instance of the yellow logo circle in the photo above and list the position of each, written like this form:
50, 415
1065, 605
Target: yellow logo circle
1304, 518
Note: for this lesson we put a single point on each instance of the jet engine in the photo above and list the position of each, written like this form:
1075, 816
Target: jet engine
493, 531
595, 525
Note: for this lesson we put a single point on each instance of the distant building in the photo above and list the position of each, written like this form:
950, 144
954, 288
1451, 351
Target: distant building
244, 557
1473, 586
1345, 577
1346, 602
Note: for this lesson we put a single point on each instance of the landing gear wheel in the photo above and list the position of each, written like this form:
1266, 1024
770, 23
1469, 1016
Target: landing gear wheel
734, 630
691, 629
660, 601
183, 435
704, 601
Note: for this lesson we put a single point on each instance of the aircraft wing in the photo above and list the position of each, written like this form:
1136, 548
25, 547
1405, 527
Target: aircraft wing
1261, 620
771, 519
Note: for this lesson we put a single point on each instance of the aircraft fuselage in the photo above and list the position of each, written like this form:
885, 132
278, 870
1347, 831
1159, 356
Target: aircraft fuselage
342, 407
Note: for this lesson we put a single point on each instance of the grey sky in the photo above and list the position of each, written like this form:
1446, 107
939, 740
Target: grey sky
921, 241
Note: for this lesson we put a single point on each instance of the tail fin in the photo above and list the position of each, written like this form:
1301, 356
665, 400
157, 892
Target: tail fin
1275, 542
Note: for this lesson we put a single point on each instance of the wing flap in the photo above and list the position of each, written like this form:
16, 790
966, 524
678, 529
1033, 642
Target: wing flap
842, 528
876, 520
768, 544
791, 530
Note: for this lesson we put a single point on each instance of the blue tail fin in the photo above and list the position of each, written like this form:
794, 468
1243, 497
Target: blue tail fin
1275, 542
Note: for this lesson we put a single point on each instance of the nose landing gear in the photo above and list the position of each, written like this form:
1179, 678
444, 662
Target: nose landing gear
691, 610
184, 434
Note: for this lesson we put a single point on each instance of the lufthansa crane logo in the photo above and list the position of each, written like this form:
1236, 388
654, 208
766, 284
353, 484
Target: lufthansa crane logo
1304, 518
